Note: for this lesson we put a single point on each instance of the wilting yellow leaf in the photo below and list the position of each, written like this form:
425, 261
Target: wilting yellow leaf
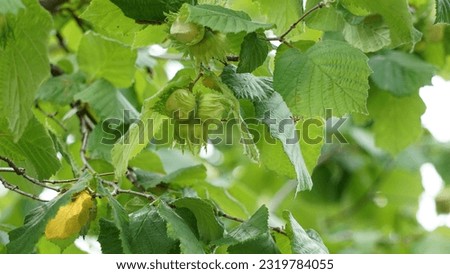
70, 218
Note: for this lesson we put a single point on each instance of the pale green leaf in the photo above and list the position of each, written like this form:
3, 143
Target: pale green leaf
104, 58
23, 63
397, 121
180, 230
35, 148
11, 6
281, 13
153, 34
24, 239
329, 75
208, 226
277, 116
136, 139
370, 35
400, 73
253, 53
224, 20
312, 139
443, 11
396, 15
149, 232
107, 19
303, 242
326, 18
107, 101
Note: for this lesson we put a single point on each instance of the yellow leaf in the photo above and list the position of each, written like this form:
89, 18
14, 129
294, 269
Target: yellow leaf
70, 218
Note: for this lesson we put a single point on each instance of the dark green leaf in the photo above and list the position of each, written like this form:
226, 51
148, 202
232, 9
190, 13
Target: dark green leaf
246, 85
180, 230
253, 53
149, 232
443, 11
224, 20
150, 11
209, 227
251, 229
263, 244
109, 237
120, 219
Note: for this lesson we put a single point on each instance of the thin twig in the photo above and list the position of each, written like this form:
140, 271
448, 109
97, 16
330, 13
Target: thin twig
21, 172
7, 169
21, 192
61, 42
294, 25
117, 191
73, 180
236, 219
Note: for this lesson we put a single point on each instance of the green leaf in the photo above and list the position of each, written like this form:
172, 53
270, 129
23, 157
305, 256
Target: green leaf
148, 160
224, 20
208, 226
136, 139
120, 218
263, 244
149, 232
103, 58
187, 176
246, 85
303, 242
253, 53
23, 63
109, 20
150, 11
397, 121
326, 18
180, 230
370, 35
35, 150
251, 229
400, 73
281, 13
24, 239
149, 36
109, 237
61, 89
11, 6
329, 75
277, 116
442, 11
107, 101
312, 140
395, 14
